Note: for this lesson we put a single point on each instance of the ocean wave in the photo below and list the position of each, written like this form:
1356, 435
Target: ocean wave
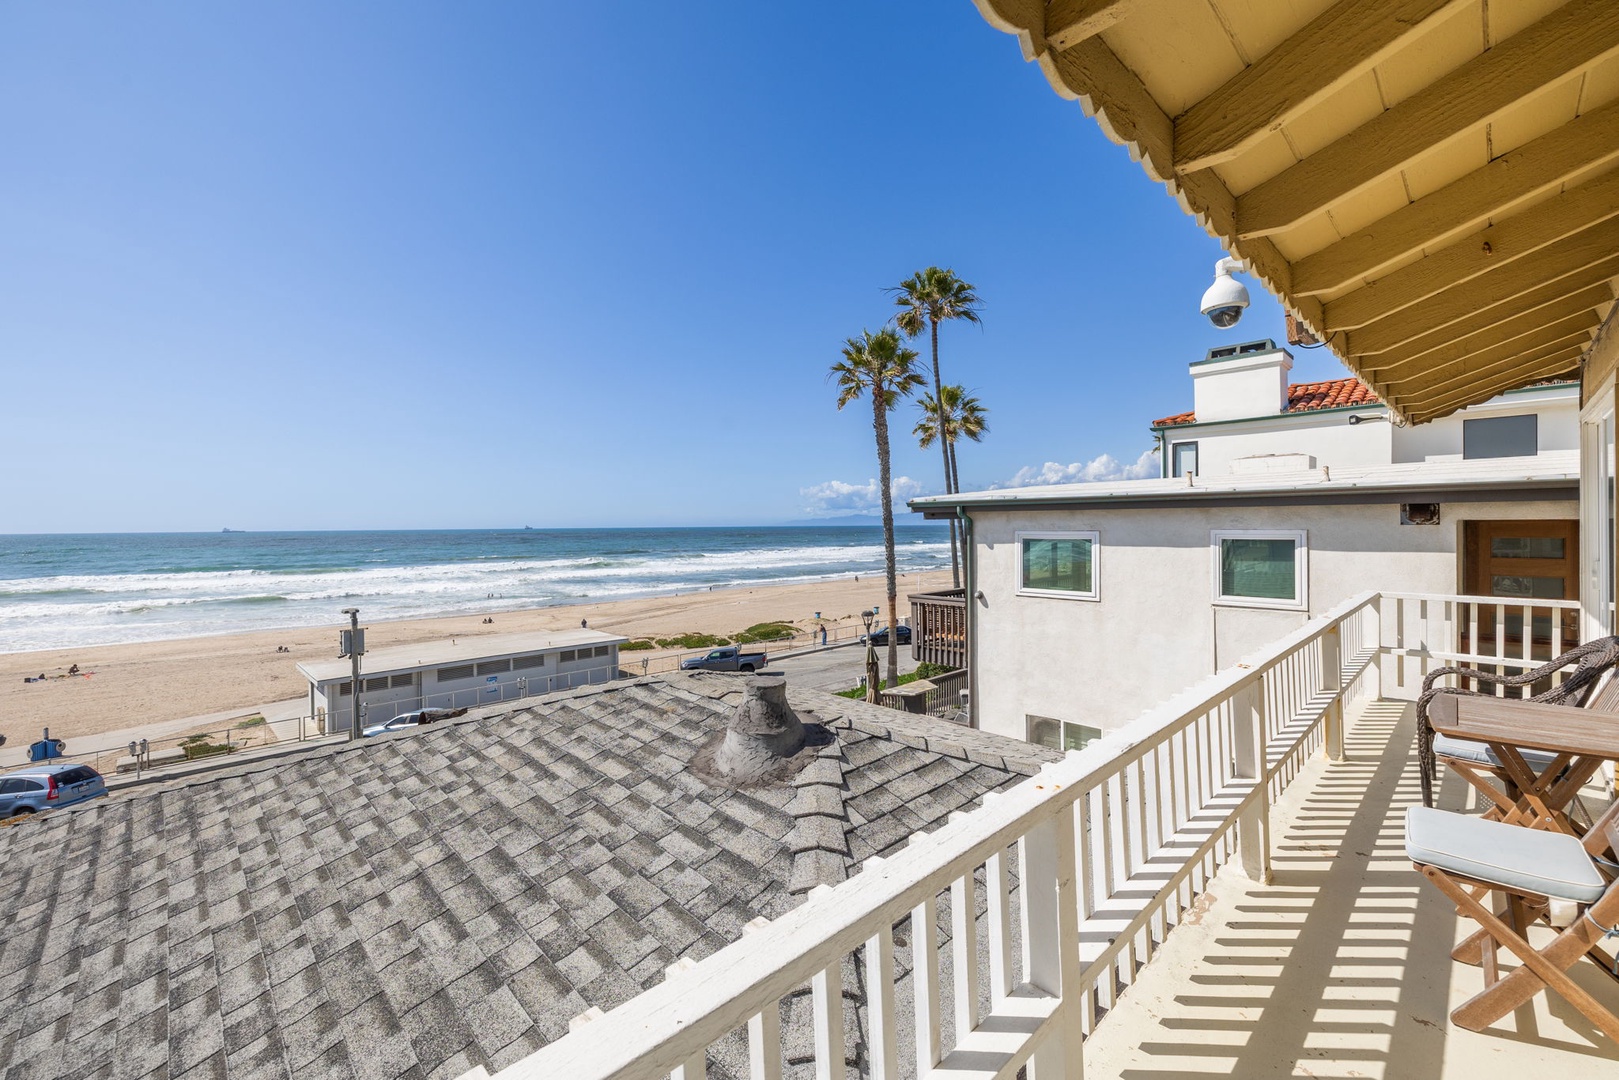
79, 608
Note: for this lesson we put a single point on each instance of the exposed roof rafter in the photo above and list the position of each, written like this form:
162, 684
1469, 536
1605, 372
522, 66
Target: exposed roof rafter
1345, 41
1568, 41
1068, 22
1467, 203
1485, 252
1520, 331
1570, 265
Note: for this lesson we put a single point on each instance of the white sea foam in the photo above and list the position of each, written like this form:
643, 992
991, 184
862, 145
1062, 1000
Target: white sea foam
69, 610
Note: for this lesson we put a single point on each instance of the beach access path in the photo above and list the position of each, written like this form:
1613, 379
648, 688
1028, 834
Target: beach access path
137, 688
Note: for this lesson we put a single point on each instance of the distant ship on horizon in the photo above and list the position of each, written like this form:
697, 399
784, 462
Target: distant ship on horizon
232, 530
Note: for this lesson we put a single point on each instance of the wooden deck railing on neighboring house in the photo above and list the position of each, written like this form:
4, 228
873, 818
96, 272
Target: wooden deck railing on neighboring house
944, 701
939, 627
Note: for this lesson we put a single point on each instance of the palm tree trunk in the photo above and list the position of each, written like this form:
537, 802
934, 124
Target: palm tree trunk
938, 405
880, 421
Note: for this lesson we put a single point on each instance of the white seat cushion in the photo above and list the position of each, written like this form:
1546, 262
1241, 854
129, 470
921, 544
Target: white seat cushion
1528, 860
1480, 753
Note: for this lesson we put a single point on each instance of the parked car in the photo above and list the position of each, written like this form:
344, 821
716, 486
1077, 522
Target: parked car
414, 718
729, 658
879, 636
48, 787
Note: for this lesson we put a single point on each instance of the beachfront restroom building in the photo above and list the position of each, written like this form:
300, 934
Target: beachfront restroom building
459, 673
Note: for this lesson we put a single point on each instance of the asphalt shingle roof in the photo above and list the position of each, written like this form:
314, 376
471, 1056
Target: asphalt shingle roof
416, 905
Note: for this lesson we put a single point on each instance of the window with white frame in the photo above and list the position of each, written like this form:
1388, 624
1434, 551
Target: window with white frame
1057, 564
1183, 459
1259, 568
1057, 734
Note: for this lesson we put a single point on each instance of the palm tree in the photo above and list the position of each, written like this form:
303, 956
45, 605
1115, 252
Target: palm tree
964, 416
878, 365
926, 299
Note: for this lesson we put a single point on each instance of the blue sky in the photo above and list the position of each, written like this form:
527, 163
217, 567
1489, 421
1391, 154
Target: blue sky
303, 265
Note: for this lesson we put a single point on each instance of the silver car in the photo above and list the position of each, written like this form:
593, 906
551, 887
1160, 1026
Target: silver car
47, 787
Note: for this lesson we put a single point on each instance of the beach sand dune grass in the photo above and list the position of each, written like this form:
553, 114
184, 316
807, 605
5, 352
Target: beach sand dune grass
157, 681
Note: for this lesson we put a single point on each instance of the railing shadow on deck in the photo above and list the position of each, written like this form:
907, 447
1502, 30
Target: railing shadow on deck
1340, 965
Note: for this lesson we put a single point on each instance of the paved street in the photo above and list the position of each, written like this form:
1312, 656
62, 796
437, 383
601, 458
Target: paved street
836, 668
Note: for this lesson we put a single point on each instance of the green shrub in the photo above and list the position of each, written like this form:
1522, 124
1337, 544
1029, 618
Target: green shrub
197, 746
692, 641
252, 721
765, 631
636, 646
857, 693
927, 670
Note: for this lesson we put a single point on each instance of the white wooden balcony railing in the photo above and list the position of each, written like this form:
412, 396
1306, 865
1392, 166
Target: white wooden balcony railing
1085, 868
1424, 631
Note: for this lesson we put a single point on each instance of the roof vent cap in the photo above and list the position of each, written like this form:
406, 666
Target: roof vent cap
764, 743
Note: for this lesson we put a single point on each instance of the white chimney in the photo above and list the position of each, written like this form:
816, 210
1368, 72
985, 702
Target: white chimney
1240, 382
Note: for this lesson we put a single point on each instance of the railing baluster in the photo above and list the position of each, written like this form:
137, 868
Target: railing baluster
1051, 941
964, 951
1253, 825
764, 1028
925, 982
998, 880
1332, 679
880, 1004
694, 1067
827, 989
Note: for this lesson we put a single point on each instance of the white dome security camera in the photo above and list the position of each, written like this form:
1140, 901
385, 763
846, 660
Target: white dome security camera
1225, 300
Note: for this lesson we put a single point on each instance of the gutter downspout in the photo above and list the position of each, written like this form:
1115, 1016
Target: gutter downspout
969, 576
1163, 453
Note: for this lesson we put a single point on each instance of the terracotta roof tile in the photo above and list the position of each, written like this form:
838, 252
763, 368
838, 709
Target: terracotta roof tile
1304, 397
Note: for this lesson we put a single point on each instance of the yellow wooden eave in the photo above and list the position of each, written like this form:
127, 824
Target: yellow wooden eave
1431, 186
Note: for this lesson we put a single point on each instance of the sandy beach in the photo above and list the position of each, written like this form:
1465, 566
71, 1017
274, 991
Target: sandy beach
158, 681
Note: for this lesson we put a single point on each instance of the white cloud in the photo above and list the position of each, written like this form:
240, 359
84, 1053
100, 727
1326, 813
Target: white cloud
1105, 467
837, 497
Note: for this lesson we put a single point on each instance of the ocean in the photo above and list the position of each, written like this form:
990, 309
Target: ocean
103, 589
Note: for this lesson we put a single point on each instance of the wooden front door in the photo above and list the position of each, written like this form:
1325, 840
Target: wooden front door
1521, 562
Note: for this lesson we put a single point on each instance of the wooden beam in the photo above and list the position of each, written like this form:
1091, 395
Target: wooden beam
1110, 92
1068, 22
1568, 41
1485, 252
1532, 366
1340, 44
1563, 335
1447, 348
1567, 264
1466, 204
1423, 408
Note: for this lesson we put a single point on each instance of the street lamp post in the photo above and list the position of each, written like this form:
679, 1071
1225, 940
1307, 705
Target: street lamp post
351, 644
872, 678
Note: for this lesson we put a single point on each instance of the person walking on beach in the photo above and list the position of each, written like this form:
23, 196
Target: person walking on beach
823, 635
583, 625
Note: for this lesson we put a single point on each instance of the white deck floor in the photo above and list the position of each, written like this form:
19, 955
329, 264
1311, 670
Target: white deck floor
1341, 966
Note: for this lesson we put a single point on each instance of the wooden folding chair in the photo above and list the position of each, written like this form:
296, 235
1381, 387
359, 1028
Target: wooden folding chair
1462, 854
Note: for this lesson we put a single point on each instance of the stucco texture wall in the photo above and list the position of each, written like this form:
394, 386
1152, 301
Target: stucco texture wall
1155, 628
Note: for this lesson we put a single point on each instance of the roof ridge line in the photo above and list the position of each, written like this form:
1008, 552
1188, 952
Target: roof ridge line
819, 838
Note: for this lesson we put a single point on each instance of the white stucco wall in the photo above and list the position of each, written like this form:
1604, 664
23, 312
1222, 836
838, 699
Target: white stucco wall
1329, 437
1557, 425
1155, 628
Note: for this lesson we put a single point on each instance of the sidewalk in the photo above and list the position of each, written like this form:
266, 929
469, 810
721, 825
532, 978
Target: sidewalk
282, 715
